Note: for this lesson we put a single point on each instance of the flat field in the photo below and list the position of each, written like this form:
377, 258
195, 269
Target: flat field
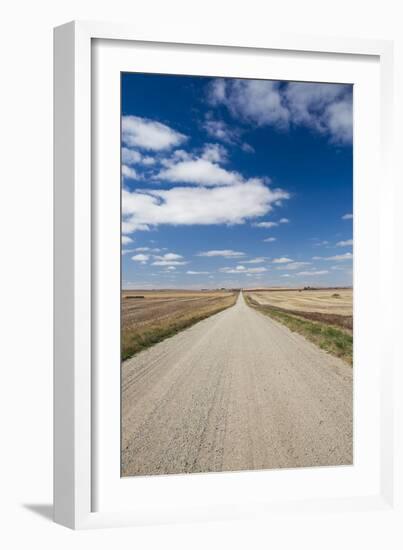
337, 301
151, 316
323, 316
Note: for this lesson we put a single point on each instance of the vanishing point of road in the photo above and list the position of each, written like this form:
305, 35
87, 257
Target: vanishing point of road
237, 391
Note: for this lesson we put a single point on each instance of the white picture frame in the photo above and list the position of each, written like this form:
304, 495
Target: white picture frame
78, 395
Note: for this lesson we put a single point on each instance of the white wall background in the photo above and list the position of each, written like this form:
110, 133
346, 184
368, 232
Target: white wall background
26, 272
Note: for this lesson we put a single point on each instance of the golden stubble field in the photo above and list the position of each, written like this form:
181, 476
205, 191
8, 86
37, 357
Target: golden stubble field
333, 301
149, 316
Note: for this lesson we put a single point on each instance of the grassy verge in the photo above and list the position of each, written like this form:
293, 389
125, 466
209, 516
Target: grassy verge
327, 337
141, 338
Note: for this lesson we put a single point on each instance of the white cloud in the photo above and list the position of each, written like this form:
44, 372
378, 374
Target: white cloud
312, 273
169, 256
149, 134
247, 148
259, 260
286, 275
269, 240
294, 265
129, 226
255, 101
200, 171
339, 120
197, 272
128, 172
256, 269
241, 269
349, 242
214, 152
197, 206
266, 225
221, 253
169, 259
126, 240
340, 257
282, 260
131, 156
337, 258
218, 129
168, 262
347, 217
284, 220
324, 108
142, 258
170, 268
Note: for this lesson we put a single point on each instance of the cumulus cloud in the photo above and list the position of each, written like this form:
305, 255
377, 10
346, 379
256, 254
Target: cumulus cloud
200, 171
347, 217
282, 260
128, 172
256, 101
221, 253
259, 260
283, 220
218, 129
221, 131
323, 108
337, 258
197, 272
169, 256
214, 152
168, 262
265, 225
349, 242
197, 206
142, 258
126, 240
149, 134
147, 249
340, 257
131, 156
169, 259
269, 240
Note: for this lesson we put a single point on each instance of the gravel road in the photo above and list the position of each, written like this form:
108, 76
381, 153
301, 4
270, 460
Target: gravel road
237, 391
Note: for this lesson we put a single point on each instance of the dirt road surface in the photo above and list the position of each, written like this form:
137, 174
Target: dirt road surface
237, 391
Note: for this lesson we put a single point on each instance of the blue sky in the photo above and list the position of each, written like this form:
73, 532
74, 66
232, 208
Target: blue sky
229, 182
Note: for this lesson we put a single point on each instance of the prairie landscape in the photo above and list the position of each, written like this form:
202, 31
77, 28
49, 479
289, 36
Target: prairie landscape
237, 217
150, 316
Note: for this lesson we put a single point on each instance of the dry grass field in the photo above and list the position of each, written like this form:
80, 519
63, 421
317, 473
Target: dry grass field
323, 316
337, 301
150, 316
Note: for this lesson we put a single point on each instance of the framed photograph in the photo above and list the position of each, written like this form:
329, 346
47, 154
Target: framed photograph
221, 215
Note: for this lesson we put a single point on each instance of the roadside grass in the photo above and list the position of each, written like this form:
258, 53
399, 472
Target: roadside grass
137, 339
329, 338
